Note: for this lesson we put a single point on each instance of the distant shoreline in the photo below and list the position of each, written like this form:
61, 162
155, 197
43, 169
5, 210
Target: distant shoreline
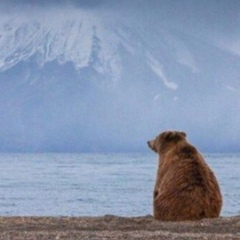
115, 227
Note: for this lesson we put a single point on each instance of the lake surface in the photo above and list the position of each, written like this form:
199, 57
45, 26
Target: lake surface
96, 184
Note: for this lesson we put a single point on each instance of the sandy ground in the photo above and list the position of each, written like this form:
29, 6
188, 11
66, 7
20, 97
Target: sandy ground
114, 227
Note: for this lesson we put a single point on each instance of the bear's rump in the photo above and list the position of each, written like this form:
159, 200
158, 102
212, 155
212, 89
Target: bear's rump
189, 204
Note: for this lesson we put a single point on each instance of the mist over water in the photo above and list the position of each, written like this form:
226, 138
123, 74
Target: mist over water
100, 76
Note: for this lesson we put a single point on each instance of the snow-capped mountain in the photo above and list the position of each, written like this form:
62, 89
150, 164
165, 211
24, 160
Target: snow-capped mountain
95, 79
85, 40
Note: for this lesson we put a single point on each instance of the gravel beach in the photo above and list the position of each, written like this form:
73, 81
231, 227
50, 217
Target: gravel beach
114, 227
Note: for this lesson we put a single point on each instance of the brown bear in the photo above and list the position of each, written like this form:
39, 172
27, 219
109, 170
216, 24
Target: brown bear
186, 188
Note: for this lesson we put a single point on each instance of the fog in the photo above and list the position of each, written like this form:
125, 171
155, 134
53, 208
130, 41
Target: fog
106, 76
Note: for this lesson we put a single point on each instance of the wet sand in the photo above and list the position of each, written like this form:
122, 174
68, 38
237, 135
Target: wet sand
114, 227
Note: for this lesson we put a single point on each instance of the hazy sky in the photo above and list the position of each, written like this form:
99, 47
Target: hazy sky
219, 18
216, 17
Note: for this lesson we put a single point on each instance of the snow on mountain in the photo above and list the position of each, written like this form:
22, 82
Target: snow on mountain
78, 37
107, 79
71, 38
158, 69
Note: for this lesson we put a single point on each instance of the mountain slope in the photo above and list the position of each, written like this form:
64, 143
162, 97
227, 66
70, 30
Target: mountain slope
92, 80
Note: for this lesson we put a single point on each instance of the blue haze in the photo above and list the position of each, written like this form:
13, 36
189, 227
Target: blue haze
106, 76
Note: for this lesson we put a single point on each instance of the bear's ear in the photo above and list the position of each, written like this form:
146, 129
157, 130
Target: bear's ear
170, 135
174, 135
183, 134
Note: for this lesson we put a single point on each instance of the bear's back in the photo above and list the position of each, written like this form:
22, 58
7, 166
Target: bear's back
188, 189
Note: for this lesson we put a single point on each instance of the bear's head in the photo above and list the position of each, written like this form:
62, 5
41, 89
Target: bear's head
166, 140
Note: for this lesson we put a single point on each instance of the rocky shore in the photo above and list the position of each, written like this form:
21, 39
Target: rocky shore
114, 227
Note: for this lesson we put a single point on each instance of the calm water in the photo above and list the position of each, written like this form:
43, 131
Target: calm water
96, 184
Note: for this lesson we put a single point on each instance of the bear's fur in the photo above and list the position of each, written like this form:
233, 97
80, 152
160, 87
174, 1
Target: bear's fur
186, 188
